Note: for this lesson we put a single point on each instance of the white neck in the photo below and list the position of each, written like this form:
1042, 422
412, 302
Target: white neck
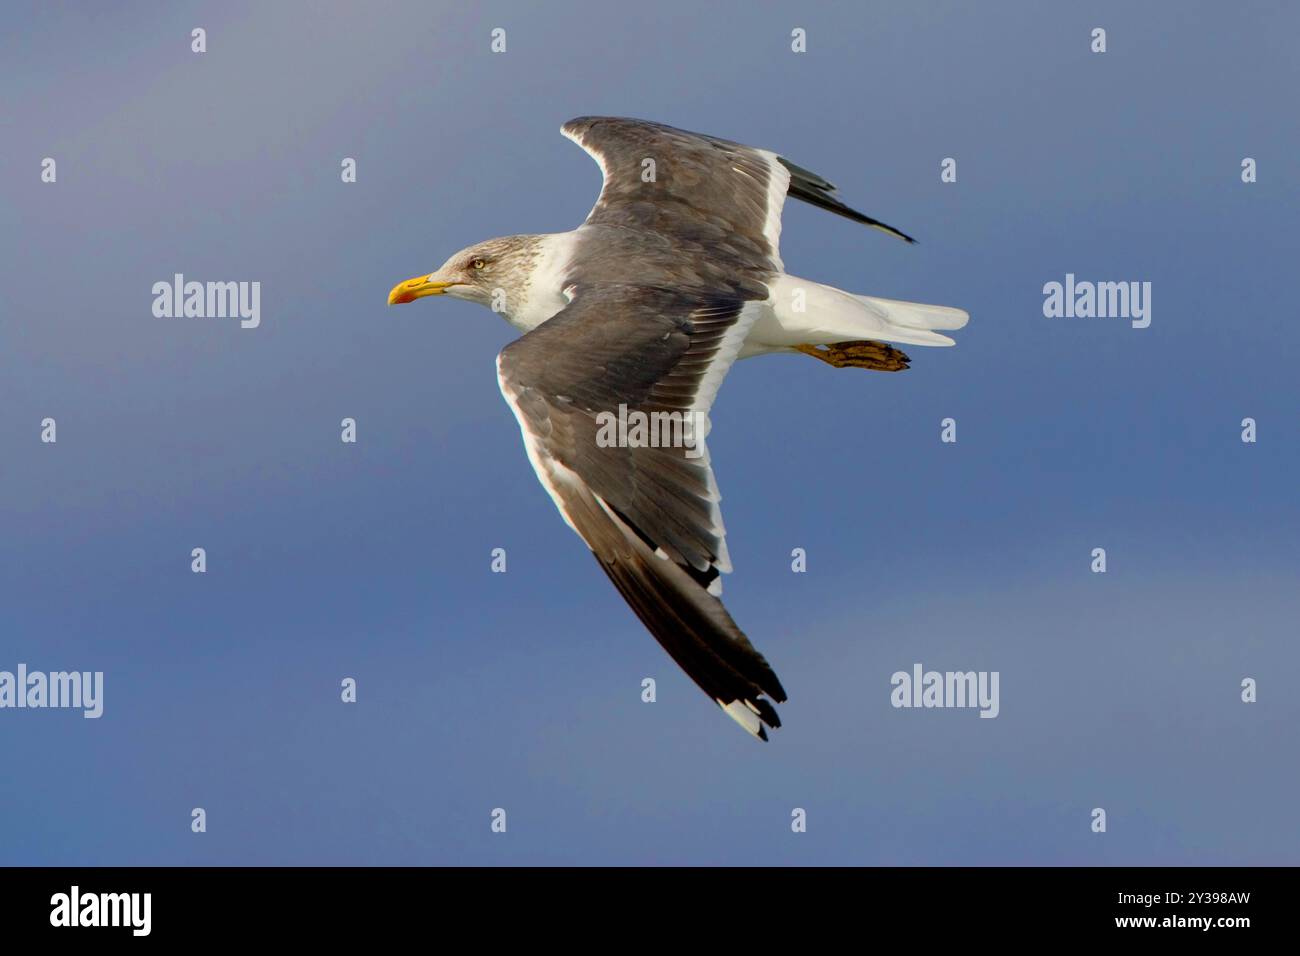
543, 294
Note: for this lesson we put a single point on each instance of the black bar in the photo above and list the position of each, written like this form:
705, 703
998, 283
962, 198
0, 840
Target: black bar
331, 905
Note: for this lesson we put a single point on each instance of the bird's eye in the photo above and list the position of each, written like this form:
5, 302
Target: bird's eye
476, 263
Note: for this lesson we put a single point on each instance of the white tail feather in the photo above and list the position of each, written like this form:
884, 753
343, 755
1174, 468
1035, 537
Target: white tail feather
915, 315
802, 312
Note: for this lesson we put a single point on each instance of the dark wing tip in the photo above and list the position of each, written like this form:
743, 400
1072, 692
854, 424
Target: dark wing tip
820, 192
767, 712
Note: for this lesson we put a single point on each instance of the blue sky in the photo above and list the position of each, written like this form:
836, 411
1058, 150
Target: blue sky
522, 690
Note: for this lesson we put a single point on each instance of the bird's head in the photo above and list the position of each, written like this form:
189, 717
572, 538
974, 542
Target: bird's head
493, 273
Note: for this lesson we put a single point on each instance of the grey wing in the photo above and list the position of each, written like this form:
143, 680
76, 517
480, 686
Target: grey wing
649, 514
673, 181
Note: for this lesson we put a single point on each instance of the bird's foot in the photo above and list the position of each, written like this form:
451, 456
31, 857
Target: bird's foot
863, 354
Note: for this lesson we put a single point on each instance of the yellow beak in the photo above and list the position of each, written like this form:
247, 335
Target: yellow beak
417, 288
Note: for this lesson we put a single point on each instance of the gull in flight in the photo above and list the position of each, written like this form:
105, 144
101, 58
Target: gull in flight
641, 310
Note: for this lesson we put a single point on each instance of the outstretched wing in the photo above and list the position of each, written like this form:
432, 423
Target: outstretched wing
646, 505
670, 180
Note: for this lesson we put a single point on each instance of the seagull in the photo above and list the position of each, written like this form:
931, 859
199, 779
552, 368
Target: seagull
642, 310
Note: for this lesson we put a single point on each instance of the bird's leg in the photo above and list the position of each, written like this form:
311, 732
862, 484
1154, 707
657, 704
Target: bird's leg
863, 354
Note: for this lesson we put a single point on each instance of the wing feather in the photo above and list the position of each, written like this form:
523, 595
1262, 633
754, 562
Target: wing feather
650, 515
